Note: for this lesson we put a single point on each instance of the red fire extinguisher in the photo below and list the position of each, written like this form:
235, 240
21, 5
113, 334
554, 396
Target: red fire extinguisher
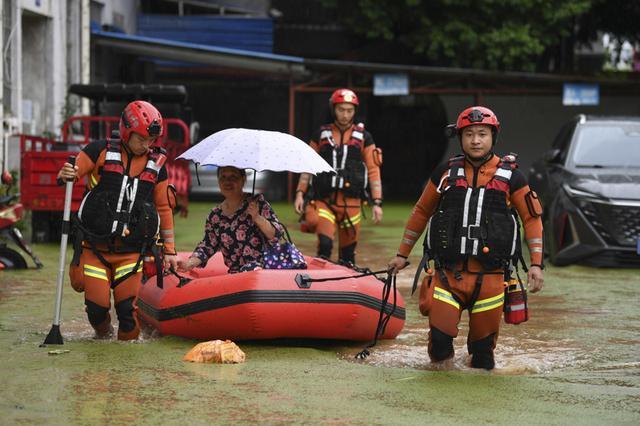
515, 302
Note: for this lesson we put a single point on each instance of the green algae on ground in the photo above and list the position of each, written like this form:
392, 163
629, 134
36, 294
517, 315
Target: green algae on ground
583, 332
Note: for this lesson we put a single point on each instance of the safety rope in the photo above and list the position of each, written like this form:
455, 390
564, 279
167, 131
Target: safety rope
182, 281
305, 280
383, 318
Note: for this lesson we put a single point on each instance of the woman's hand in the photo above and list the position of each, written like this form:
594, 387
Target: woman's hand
253, 211
189, 264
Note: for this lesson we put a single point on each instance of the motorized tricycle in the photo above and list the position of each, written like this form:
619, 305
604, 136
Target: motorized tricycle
11, 212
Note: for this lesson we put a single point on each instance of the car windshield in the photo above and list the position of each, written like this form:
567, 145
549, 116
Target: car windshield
615, 145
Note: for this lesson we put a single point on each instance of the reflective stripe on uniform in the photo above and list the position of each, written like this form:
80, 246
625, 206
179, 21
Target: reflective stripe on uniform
488, 304
93, 182
534, 241
125, 269
327, 215
411, 233
444, 296
112, 156
151, 164
352, 221
503, 173
95, 272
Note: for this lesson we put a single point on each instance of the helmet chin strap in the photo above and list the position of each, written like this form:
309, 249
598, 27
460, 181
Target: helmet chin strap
481, 160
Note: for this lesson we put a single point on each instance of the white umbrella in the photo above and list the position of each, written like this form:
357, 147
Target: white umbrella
258, 150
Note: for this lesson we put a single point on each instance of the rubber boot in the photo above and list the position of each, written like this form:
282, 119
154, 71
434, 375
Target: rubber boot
440, 345
325, 246
104, 330
347, 255
482, 353
129, 335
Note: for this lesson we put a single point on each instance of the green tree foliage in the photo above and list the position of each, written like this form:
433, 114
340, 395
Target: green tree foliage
488, 34
619, 18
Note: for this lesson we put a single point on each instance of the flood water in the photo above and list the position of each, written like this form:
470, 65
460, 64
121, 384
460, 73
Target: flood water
577, 360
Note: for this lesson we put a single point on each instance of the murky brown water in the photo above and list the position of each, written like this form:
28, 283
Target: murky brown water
577, 357
541, 345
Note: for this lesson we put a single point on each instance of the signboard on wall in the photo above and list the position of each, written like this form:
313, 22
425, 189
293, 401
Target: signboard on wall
580, 94
390, 84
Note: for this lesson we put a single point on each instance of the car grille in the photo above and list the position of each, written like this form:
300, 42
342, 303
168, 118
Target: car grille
614, 258
617, 224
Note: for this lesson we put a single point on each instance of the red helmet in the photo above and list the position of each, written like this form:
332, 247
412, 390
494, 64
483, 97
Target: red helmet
477, 115
344, 95
140, 117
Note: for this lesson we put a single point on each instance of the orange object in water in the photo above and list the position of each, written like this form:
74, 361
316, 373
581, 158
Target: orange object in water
216, 351
269, 304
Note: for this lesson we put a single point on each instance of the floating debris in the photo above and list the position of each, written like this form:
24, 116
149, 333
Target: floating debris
216, 351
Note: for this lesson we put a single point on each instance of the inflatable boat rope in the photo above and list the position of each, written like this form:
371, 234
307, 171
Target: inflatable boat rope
304, 281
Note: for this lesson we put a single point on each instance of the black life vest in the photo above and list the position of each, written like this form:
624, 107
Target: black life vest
120, 206
474, 222
347, 160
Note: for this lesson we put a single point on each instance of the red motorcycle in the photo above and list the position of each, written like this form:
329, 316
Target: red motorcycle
10, 214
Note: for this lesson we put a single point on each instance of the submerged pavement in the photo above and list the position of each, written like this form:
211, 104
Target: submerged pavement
577, 360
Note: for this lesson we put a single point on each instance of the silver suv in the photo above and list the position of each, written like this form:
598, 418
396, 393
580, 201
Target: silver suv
271, 184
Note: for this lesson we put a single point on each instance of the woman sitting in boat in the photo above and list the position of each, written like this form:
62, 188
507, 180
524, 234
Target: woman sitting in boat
240, 227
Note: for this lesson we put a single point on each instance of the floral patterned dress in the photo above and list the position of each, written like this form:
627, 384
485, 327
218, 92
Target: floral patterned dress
237, 237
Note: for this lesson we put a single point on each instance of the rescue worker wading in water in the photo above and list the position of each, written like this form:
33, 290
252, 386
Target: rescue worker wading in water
469, 208
123, 214
334, 200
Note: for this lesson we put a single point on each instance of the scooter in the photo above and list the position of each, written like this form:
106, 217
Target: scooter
11, 213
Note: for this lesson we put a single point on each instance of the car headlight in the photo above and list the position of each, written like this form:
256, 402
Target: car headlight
581, 198
579, 193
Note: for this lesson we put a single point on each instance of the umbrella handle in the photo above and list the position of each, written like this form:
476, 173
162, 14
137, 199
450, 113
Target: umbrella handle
253, 189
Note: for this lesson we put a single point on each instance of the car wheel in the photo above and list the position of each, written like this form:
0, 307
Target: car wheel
11, 259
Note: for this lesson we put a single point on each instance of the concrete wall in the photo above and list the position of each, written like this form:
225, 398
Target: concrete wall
46, 48
119, 13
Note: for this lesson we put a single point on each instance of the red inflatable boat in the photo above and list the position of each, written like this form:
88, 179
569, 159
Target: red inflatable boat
269, 304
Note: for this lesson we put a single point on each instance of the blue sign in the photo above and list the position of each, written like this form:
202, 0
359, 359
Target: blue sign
390, 84
581, 94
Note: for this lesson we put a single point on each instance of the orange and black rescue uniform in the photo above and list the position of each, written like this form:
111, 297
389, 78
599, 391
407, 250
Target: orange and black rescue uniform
124, 212
335, 200
473, 240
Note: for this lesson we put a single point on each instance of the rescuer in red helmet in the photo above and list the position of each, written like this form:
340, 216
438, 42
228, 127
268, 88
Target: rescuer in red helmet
125, 215
470, 207
334, 200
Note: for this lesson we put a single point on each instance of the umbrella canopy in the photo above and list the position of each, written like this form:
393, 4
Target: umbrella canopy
258, 150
